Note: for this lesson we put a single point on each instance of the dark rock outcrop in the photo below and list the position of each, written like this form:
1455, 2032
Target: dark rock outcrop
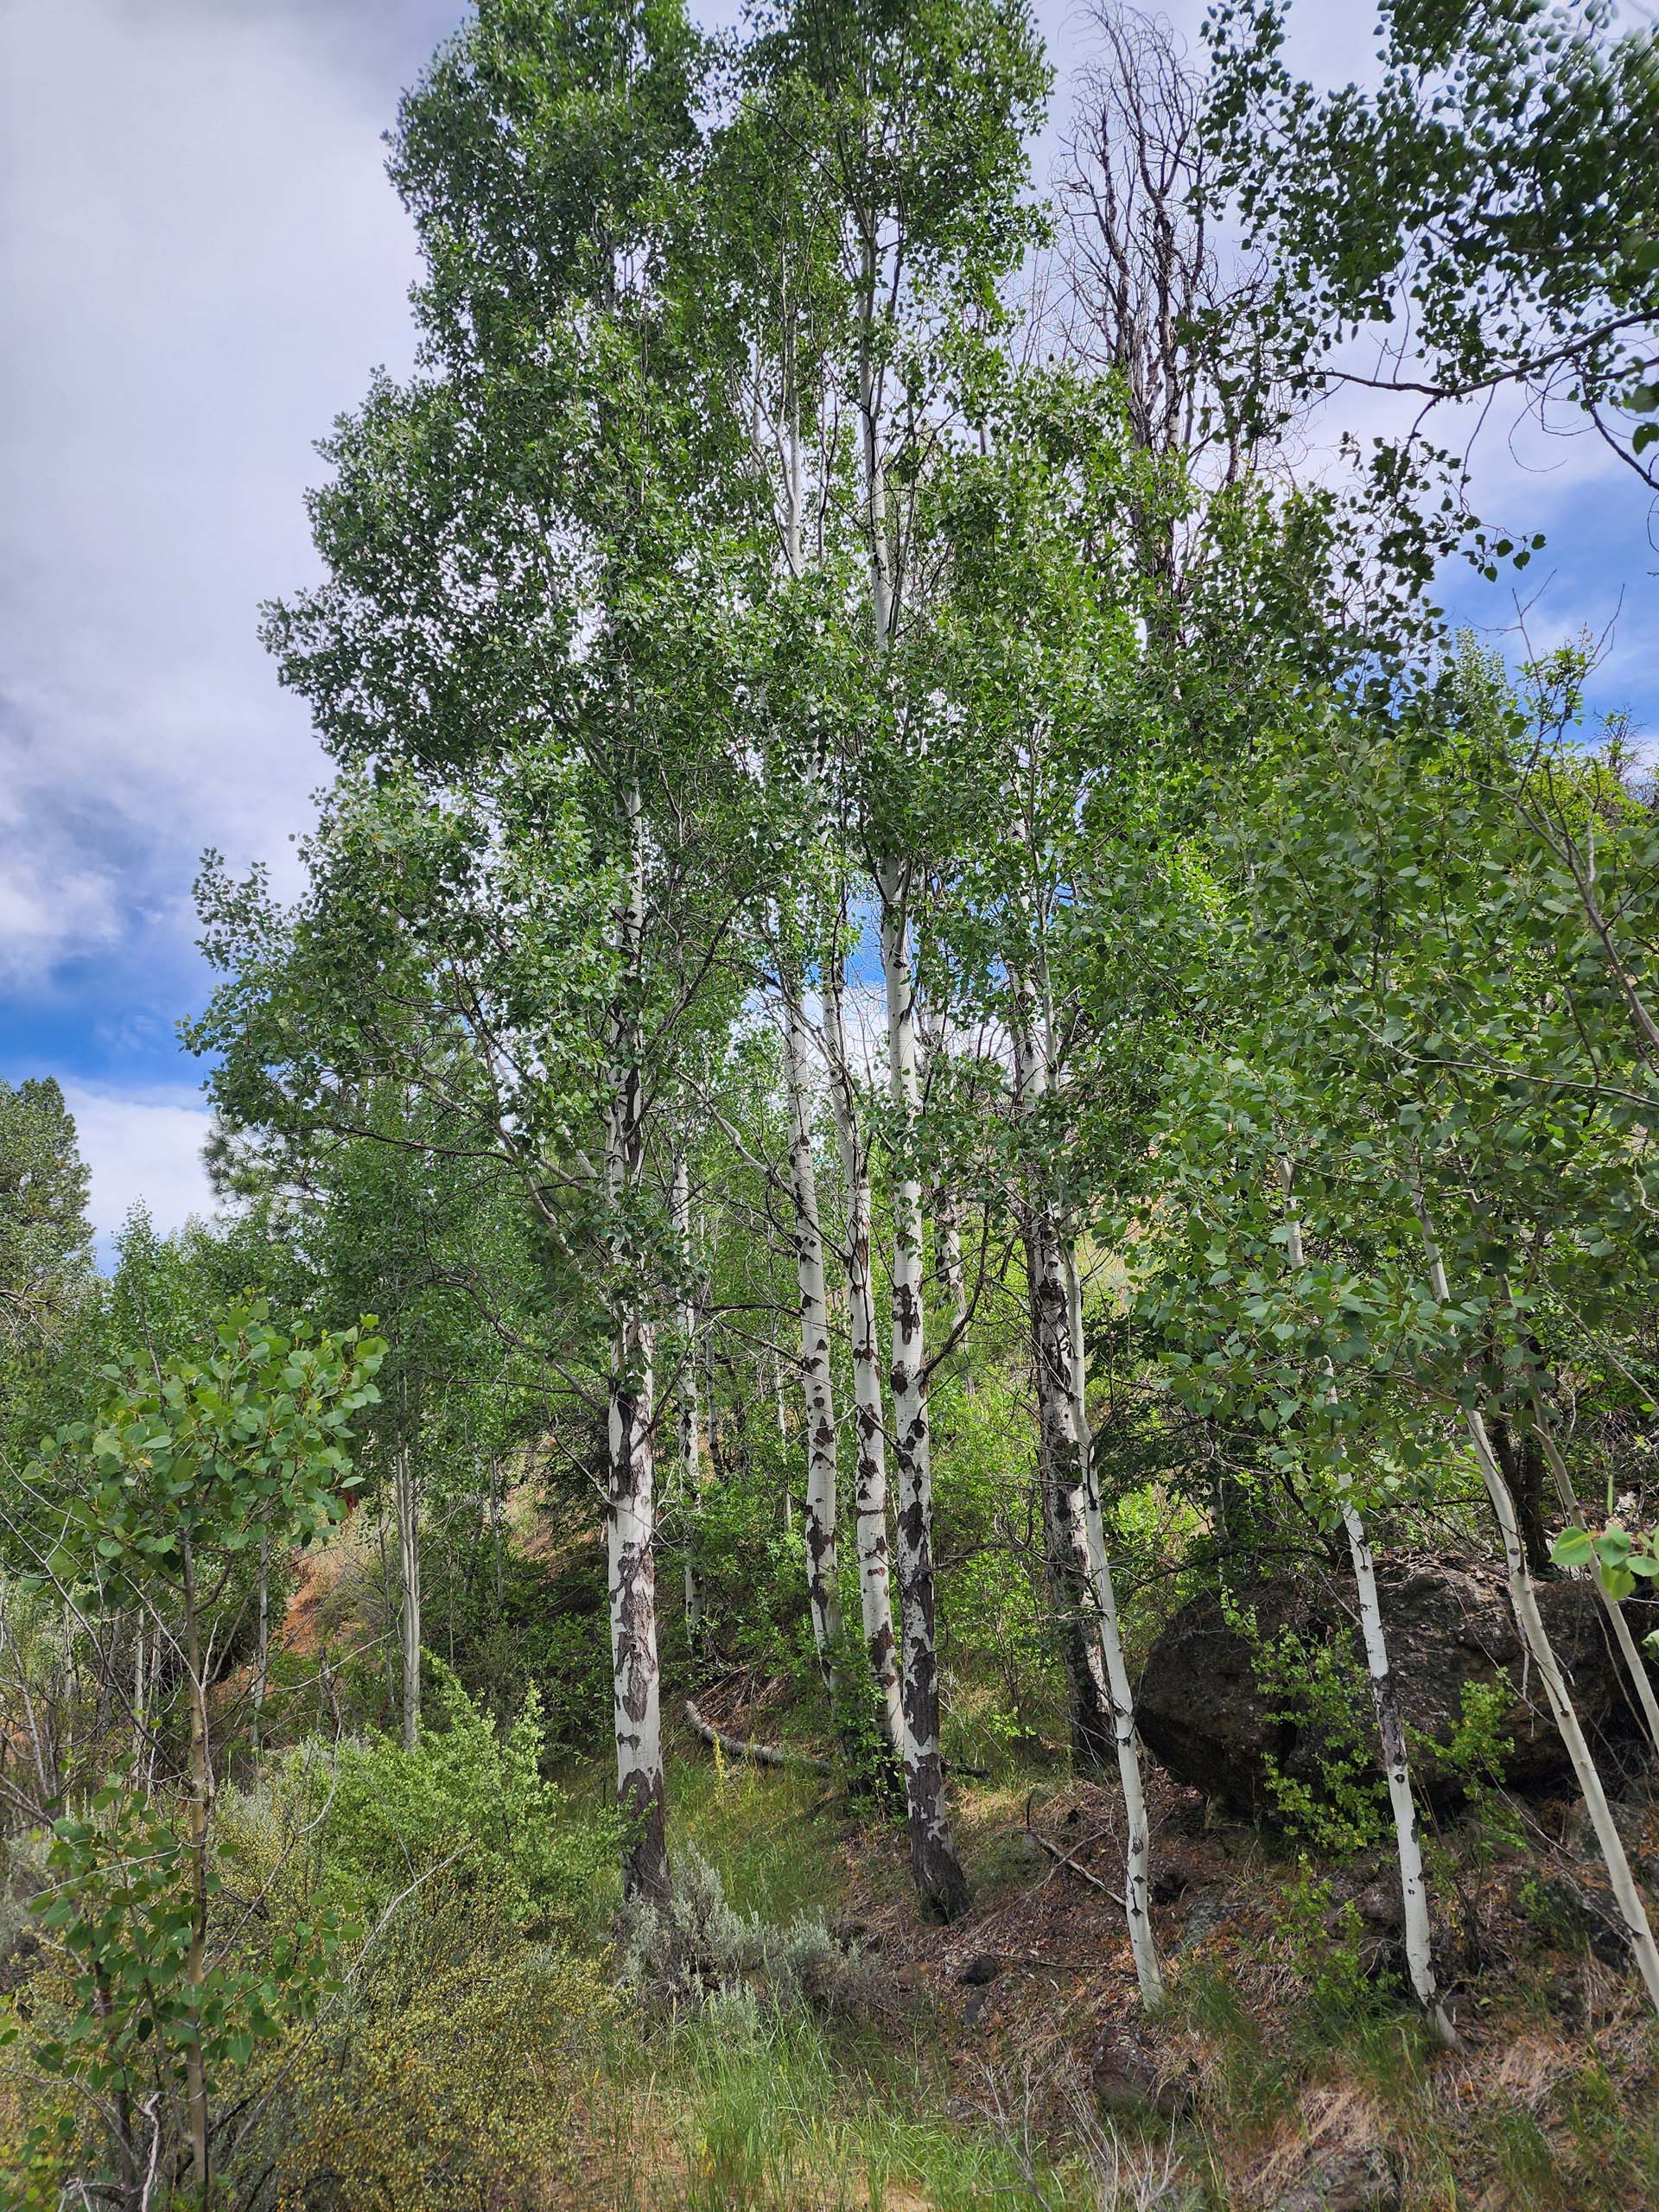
1204, 1713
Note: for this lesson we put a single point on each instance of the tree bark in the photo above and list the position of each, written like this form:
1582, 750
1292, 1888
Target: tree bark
1521, 1464
1385, 1701
631, 1501
641, 1794
1137, 1882
947, 1243
262, 1654
409, 1580
822, 1584
1067, 1552
937, 1873
691, 1455
870, 1483
1530, 1623
1065, 1538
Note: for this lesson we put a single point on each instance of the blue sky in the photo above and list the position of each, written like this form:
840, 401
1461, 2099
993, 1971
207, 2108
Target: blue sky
202, 262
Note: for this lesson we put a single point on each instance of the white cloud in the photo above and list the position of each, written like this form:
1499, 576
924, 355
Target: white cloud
44, 914
201, 259
144, 1146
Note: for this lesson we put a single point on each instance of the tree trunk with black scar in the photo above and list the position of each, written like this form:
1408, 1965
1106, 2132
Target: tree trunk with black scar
1065, 1537
1060, 1453
640, 1794
947, 1238
690, 1454
408, 1587
631, 1501
869, 1431
1521, 1462
823, 1584
937, 1873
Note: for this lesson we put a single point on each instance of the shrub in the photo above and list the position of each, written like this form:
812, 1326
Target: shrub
444, 2077
697, 1951
1339, 1801
469, 1797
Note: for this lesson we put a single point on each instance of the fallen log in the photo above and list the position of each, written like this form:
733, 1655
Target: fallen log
735, 1747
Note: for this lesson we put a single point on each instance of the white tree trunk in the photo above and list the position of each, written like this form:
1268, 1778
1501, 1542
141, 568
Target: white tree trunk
690, 1454
1524, 1598
409, 1583
937, 1873
641, 1794
870, 1483
822, 1579
1640, 1682
261, 1649
947, 1238
1069, 1556
631, 1503
1385, 1700
1137, 1878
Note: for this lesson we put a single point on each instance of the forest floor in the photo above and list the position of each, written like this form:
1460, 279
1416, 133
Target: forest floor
1004, 2059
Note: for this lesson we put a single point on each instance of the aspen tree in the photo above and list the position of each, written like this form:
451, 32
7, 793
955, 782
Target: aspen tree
869, 1429
1390, 1725
1530, 1623
690, 1443
822, 1588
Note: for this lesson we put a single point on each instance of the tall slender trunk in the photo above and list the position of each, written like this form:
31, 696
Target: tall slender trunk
495, 1522
691, 1455
1103, 1700
823, 1584
934, 1865
409, 1583
140, 1692
1137, 1874
1071, 1558
199, 1806
869, 1429
630, 1525
262, 1654
939, 1880
631, 1501
1385, 1700
1529, 1621
947, 1245
711, 1404
1640, 1681
1057, 1300
1060, 1461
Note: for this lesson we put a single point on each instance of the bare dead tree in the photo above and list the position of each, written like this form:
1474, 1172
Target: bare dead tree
1145, 273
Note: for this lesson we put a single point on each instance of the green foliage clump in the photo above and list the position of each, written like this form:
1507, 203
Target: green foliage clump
1338, 1802
998, 1644
444, 2078
471, 1798
1324, 1944
1474, 1761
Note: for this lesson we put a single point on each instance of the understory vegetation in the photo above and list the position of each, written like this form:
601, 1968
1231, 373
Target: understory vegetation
914, 1463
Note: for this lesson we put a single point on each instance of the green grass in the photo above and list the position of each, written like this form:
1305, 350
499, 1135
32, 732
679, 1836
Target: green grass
741, 2109
744, 2113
